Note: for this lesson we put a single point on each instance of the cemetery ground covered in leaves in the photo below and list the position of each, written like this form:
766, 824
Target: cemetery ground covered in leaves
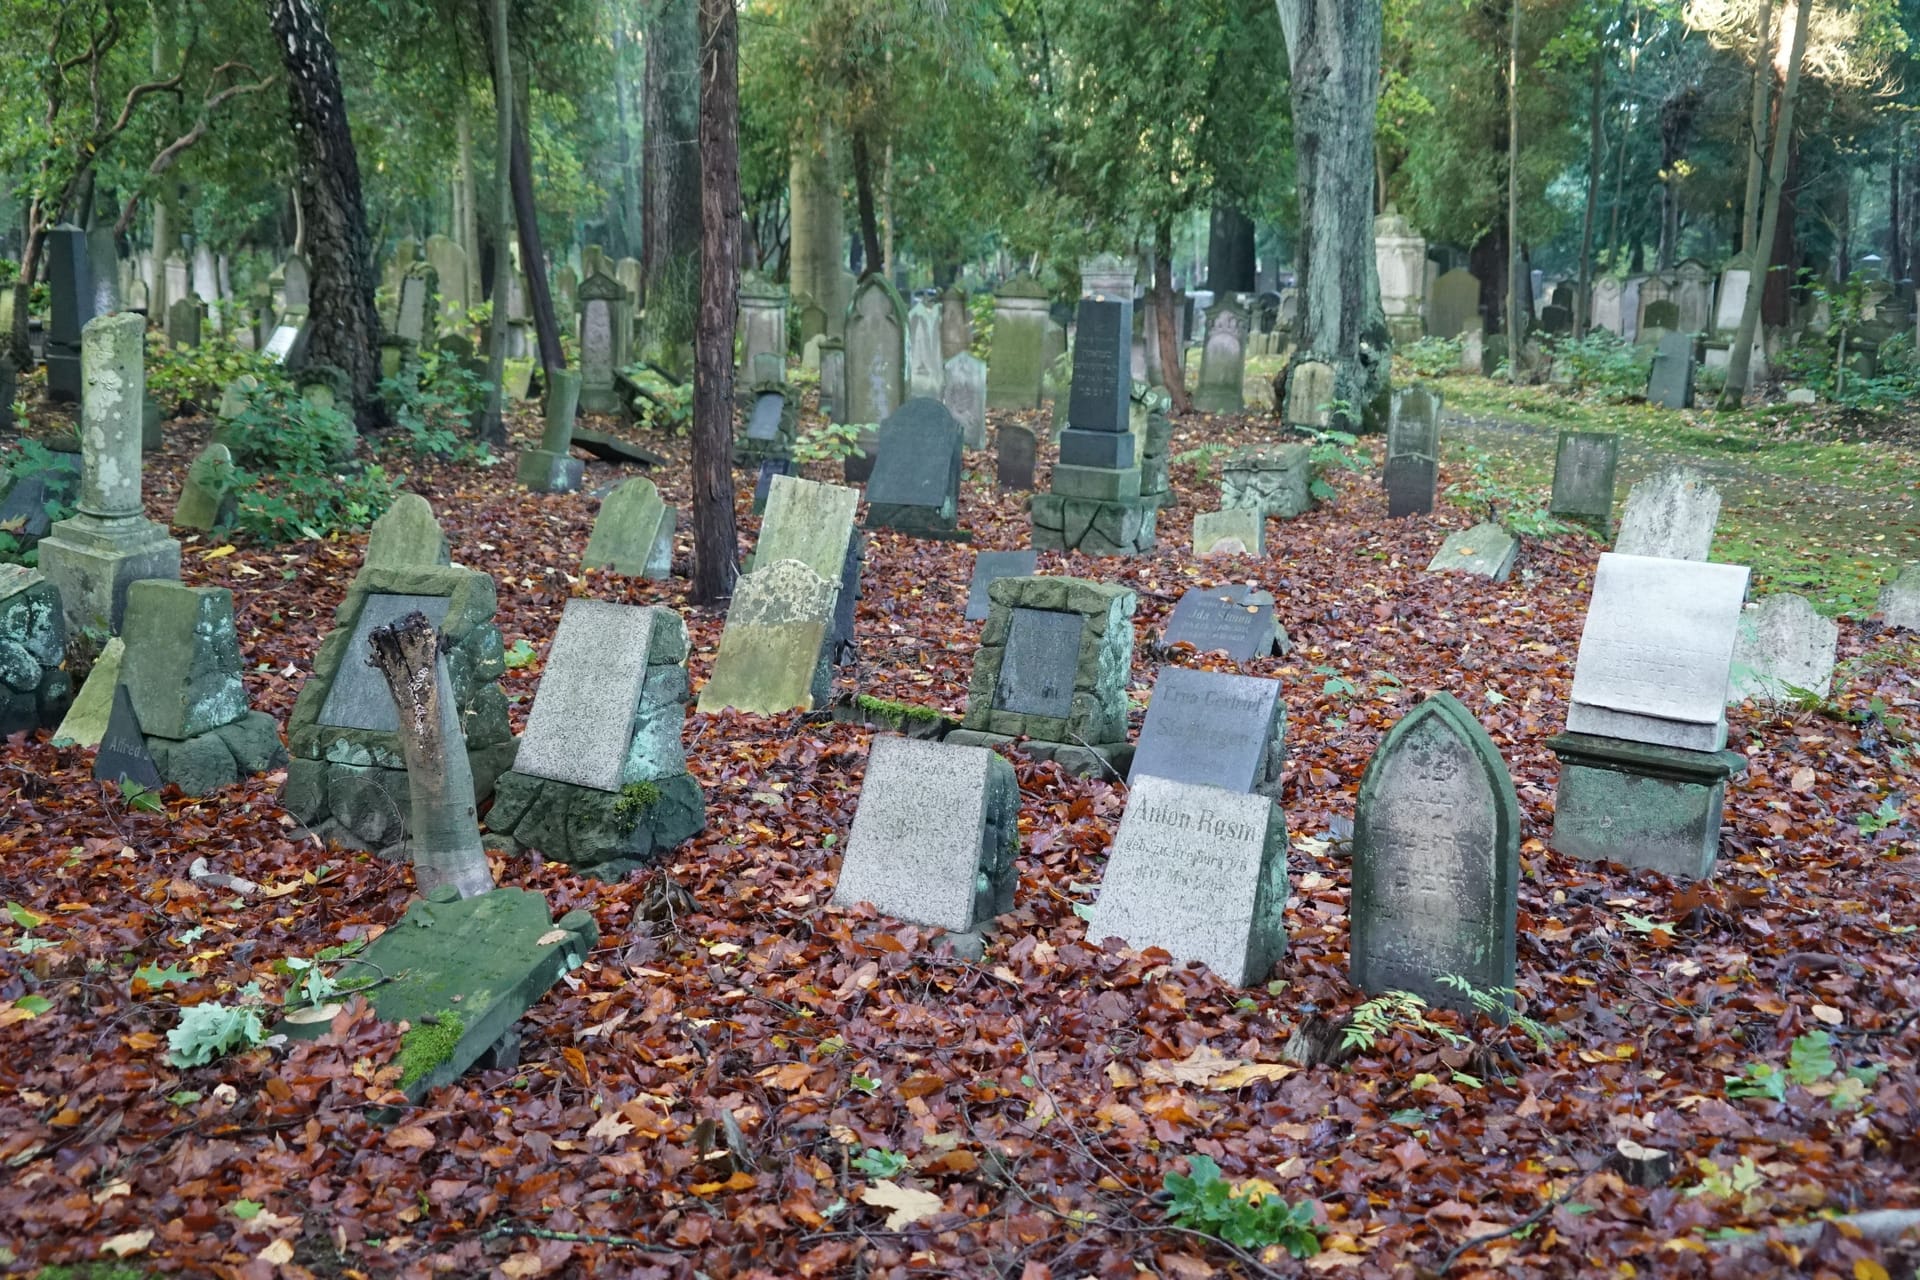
744, 1081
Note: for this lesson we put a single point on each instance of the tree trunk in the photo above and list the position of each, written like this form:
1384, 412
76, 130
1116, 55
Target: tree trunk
1596, 161
1173, 373
1333, 48
1757, 127
715, 541
670, 141
872, 259
1740, 359
492, 426
526, 221
1516, 332
817, 225
166, 213
467, 230
343, 325
1230, 264
444, 824
630, 242
1896, 247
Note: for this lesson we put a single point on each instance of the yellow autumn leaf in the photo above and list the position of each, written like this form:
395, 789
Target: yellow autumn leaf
217, 553
908, 1205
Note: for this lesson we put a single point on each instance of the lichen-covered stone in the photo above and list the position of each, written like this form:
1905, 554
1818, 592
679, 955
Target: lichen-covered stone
182, 664
1093, 527
1274, 479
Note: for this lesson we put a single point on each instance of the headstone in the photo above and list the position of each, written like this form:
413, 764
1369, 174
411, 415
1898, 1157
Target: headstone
1583, 476
956, 329
34, 689
1223, 359
1236, 620
1693, 296
1436, 860
1245, 528
415, 310
876, 352
1670, 516
1485, 551
1609, 306
763, 326
184, 316
1784, 649
552, 468
407, 537
763, 483
297, 283
449, 263
207, 497
123, 757
991, 566
1310, 395
1102, 374
1400, 263
915, 486
966, 397
1015, 449
774, 653
935, 835
93, 557
1658, 314
1656, 650
926, 367
1413, 451
86, 720
1018, 360
1037, 672
1733, 297
1456, 304
1273, 479
1900, 600
633, 534
809, 522
70, 292
1200, 873
1215, 730
581, 725
833, 379
1670, 382
603, 326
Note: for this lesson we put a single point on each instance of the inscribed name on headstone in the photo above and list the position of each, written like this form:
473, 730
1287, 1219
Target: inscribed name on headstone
1436, 859
935, 835
1235, 619
988, 567
1671, 516
1784, 648
633, 534
1656, 651
1583, 471
582, 718
1486, 551
1200, 873
1236, 530
1215, 729
123, 755
773, 651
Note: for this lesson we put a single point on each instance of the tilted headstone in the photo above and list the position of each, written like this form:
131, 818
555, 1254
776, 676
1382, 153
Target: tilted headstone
1784, 648
1413, 451
814, 524
1223, 359
1235, 531
449, 262
966, 397
915, 486
1215, 730
876, 352
1018, 359
207, 498
1436, 860
408, 536
934, 837
86, 720
1486, 551
1015, 450
552, 468
1670, 381
1276, 480
123, 756
1584, 465
991, 566
1236, 620
1670, 516
1900, 600
775, 653
633, 534
763, 482
600, 780
1200, 873
34, 689
926, 367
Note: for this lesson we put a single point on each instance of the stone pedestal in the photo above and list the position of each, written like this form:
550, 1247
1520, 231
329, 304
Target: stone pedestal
1094, 526
1641, 805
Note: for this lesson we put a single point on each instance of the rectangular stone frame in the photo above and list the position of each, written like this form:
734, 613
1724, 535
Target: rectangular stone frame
1106, 647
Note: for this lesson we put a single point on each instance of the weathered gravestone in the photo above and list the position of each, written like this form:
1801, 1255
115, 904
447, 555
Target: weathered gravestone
1276, 480
1052, 667
1583, 475
1643, 770
966, 397
813, 523
348, 777
991, 566
449, 262
1783, 650
1236, 620
184, 318
775, 653
1413, 452
876, 355
763, 327
1486, 551
1018, 360
1201, 873
34, 690
1234, 531
1900, 600
123, 756
935, 837
1670, 381
633, 534
603, 327
1455, 305
915, 487
600, 781
1223, 359
552, 468
459, 972
772, 425
1214, 729
70, 293
1670, 516
86, 720
1436, 859
408, 536
926, 367
207, 498
833, 379
1658, 317
956, 326
1015, 450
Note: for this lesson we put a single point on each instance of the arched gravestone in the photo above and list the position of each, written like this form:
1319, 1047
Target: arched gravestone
876, 352
1436, 858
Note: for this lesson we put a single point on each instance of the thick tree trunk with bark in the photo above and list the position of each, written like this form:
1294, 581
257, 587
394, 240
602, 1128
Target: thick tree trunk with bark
343, 326
444, 824
1230, 255
526, 221
872, 258
715, 541
1173, 371
670, 262
1333, 48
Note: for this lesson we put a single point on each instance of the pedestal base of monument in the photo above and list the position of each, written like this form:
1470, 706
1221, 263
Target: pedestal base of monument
367, 806
1083, 759
460, 973
602, 833
544, 471
1093, 526
93, 561
1641, 805
221, 756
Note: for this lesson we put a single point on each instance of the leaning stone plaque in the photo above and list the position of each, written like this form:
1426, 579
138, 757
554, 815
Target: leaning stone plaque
1484, 551
1436, 858
1785, 649
935, 836
1200, 873
596, 665
1235, 619
1214, 729
988, 568
1657, 650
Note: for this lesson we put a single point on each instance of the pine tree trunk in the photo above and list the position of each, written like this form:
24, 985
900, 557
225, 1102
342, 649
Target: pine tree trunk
1333, 47
715, 542
1516, 331
344, 329
817, 225
670, 141
492, 424
1757, 128
444, 823
1173, 371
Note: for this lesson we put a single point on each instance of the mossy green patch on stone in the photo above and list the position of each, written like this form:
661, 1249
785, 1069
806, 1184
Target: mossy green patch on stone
635, 799
426, 1046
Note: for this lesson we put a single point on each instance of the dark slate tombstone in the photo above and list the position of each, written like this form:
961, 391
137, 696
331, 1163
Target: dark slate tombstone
1413, 452
1436, 858
1101, 397
1016, 448
1214, 729
123, 750
915, 486
23, 512
70, 286
359, 698
1556, 319
989, 565
1234, 618
1670, 382
764, 424
769, 468
1584, 464
1042, 659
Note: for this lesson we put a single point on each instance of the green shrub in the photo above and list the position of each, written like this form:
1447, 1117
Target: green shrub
21, 458
829, 442
1249, 1214
1432, 357
1602, 362
197, 375
1520, 512
664, 405
298, 476
433, 410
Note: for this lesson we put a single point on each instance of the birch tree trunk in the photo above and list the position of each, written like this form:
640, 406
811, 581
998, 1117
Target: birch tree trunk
715, 540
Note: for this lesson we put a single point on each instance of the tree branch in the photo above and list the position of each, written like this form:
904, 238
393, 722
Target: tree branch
171, 152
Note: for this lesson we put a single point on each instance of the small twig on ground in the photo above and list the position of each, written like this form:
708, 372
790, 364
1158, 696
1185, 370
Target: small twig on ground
507, 1230
1517, 1227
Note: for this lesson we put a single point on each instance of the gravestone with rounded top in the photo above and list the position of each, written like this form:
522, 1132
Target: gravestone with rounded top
926, 366
915, 487
1784, 650
407, 536
633, 534
1583, 477
1671, 516
1456, 304
34, 689
1223, 358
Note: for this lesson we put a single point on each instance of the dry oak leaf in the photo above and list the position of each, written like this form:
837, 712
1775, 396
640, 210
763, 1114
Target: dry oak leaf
1802, 780
128, 1243
792, 1075
1198, 1067
279, 1253
908, 1204
610, 1126
416, 1136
